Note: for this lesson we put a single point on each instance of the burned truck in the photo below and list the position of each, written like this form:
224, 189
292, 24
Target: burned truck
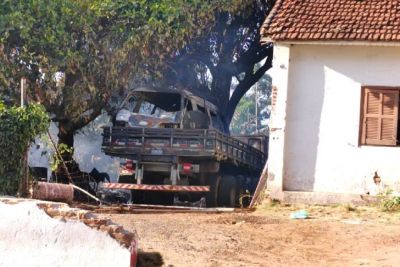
172, 150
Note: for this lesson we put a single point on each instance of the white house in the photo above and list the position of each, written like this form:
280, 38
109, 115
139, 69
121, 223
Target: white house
336, 75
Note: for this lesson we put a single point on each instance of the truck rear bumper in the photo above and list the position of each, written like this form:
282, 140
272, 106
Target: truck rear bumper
151, 187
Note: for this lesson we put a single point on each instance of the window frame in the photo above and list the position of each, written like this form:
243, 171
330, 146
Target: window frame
362, 141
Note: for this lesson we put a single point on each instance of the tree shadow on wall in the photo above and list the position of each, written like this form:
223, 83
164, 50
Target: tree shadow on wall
149, 259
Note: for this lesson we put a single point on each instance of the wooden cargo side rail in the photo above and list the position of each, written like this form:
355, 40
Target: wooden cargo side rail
223, 146
239, 151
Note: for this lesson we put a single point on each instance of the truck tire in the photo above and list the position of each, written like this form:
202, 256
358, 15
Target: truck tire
228, 192
137, 197
244, 197
158, 198
212, 195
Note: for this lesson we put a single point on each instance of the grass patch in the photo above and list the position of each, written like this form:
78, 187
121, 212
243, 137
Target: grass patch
349, 208
389, 202
273, 208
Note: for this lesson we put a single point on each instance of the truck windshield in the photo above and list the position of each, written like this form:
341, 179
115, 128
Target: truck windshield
150, 109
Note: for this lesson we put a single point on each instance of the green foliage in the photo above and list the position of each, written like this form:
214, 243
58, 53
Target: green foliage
18, 128
243, 121
57, 160
75, 53
388, 201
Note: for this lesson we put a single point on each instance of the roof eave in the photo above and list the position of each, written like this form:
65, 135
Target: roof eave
267, 39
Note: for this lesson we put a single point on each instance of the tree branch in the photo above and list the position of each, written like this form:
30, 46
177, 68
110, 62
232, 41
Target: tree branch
244, 85
255, 54
85, 120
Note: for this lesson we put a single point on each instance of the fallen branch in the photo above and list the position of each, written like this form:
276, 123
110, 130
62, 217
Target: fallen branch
260, 186
86, 193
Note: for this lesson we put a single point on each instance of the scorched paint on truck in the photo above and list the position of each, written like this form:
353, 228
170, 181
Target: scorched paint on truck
171, 149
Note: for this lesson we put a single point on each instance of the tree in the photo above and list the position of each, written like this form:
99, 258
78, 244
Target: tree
76, 53
222, 66
243, 121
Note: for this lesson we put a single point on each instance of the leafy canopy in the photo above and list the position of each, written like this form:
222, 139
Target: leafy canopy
81, 50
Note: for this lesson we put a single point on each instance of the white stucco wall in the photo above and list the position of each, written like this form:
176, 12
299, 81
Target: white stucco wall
318, 116
280, 77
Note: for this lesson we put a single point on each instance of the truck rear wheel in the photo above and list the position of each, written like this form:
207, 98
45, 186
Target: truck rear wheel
158, 198
212, 195
228, 192
137, 197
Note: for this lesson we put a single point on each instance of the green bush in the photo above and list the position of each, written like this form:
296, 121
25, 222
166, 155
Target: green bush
18, 128
388, 201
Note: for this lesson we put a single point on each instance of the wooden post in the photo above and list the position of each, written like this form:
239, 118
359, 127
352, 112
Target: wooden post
25, 175
260, 187
22, 91
256, 103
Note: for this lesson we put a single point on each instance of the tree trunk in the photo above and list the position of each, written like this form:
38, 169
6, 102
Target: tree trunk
221, 89
65, 134
65, 137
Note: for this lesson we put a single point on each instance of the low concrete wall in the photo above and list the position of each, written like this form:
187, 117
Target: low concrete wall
29, 236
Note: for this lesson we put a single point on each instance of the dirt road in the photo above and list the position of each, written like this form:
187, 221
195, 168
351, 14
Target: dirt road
340, 236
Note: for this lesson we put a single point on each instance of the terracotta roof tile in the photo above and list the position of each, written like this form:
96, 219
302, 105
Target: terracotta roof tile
341, 20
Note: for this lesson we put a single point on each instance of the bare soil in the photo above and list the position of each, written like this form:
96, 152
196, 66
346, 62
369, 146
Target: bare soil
332, 236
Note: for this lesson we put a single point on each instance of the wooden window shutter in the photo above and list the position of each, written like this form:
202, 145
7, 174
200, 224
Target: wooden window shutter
380, 116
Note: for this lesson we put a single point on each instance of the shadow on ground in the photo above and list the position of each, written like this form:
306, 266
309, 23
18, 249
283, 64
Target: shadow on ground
149, 259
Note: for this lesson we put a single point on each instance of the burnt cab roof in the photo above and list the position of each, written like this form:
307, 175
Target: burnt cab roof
170, 99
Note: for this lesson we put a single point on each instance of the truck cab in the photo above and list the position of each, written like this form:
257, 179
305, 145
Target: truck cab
166, 108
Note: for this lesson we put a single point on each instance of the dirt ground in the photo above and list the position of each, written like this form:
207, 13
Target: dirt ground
332, 236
